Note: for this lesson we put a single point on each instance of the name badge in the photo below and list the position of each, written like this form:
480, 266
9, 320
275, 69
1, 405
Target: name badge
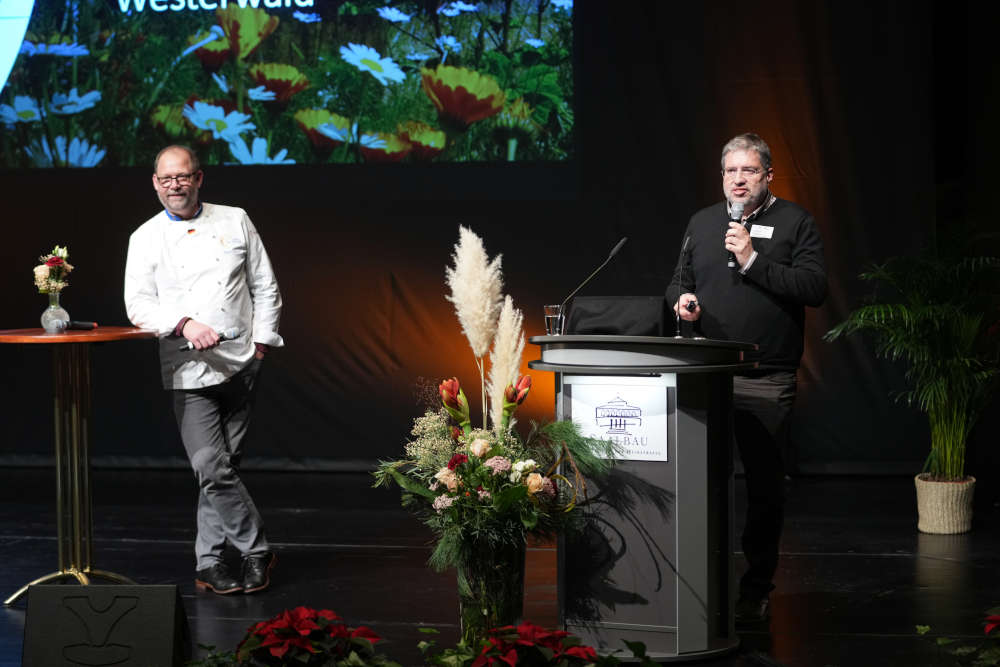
761, 232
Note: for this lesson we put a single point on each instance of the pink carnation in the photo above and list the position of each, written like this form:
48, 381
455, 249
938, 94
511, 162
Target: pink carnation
498, 464
548, 488
443, 502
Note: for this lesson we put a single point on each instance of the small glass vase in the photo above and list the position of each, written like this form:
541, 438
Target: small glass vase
54, 318
490, 590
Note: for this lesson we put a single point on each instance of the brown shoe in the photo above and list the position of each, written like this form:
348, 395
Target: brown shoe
257, 572
217, 579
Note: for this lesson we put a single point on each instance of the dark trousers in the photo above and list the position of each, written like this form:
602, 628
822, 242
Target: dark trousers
762, 407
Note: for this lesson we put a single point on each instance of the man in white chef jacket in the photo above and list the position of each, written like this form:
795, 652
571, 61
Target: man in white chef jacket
198, 274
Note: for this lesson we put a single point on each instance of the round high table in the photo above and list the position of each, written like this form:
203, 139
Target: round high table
71, 390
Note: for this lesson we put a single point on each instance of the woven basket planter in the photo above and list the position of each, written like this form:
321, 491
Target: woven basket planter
944, 508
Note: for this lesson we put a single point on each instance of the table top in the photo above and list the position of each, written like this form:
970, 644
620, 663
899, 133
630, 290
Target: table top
98, 335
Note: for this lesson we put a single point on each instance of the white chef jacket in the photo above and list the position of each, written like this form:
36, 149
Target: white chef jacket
213, 269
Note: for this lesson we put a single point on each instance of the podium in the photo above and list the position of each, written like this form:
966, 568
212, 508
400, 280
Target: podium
654, 561
71, 391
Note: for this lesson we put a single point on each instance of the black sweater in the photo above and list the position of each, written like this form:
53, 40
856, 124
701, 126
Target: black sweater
766, 305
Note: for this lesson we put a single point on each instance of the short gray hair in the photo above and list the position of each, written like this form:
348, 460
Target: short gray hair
748, 142
195, 162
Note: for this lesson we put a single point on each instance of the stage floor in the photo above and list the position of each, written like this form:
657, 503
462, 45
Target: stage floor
855, 579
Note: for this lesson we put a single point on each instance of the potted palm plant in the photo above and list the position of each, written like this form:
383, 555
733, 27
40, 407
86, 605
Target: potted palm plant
939, 318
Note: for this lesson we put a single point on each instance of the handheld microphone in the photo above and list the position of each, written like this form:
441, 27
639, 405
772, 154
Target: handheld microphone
735, 215
73, 324
614, 251
231, 333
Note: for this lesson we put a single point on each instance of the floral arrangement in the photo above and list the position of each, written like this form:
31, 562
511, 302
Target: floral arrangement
50, 275
309, 636
483, 490
981, 653
281, 83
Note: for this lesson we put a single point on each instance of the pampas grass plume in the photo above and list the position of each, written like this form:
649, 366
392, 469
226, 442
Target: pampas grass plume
505, 358
476, 290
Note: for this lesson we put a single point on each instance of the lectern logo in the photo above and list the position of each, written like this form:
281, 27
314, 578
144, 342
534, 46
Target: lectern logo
617, 416
98, 624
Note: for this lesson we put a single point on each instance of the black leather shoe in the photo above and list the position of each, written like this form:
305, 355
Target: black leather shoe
753, 609
217, 579
257, 572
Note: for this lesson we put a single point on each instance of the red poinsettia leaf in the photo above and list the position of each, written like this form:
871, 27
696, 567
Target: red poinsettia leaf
583, 652
992, 622
510, 657
364, 632
328, 615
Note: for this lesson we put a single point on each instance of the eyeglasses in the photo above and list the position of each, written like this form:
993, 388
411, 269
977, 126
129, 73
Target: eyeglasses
745, 172
180, 179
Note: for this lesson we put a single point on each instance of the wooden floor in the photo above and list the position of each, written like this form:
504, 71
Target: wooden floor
855, 580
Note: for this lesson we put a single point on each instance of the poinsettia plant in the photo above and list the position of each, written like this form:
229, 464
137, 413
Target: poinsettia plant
309, 636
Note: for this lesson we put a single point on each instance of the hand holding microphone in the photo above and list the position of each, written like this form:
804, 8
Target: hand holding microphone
201, 336
735, 215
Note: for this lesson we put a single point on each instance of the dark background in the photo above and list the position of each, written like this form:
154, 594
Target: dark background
880, 117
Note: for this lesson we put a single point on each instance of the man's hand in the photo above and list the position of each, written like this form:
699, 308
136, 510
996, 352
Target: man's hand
681, 307
200, 335
738, 242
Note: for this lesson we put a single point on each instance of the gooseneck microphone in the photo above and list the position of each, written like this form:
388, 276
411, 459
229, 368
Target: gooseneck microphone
680, 285
614, 251
232, 333
735, 215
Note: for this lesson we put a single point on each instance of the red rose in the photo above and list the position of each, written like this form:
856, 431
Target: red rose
457, 460
54, 261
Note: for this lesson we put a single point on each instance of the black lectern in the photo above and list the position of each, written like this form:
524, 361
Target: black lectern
655, 560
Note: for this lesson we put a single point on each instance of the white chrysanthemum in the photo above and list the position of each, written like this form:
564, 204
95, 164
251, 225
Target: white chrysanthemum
74, 102
476, 290
367, 59
505, 357
257, 152
226, 126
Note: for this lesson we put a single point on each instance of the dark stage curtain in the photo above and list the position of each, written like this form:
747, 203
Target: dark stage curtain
845, 93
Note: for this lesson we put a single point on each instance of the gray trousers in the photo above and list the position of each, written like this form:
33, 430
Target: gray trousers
213, 422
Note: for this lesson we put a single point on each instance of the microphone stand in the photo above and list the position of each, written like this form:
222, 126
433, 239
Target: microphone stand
614, 251
680, 283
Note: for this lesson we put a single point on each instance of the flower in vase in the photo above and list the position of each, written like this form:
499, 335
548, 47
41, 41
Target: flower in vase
283, 80
245, 28
442, 503
534, 482
447, 477
517, 392
454, 401
457, 460
50, 275
498, 465
521, 468
426, 142
479, 447
461, 96
476, 285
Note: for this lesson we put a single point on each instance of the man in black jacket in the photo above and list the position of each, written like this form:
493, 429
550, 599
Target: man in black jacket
749, 280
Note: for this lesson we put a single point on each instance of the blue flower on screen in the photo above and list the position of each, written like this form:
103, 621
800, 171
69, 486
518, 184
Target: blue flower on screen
307, 18
214, 33
415, 55
221, 80
43, 49
261, 94
393, 14
448, 43
258, 153
342, 134
215, 119
79, 153
537, 43
368, 60
565, 5
372, 141
73, 103
456, 8
25, 110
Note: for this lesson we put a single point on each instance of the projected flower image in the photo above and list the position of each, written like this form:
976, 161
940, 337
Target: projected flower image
303, 82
